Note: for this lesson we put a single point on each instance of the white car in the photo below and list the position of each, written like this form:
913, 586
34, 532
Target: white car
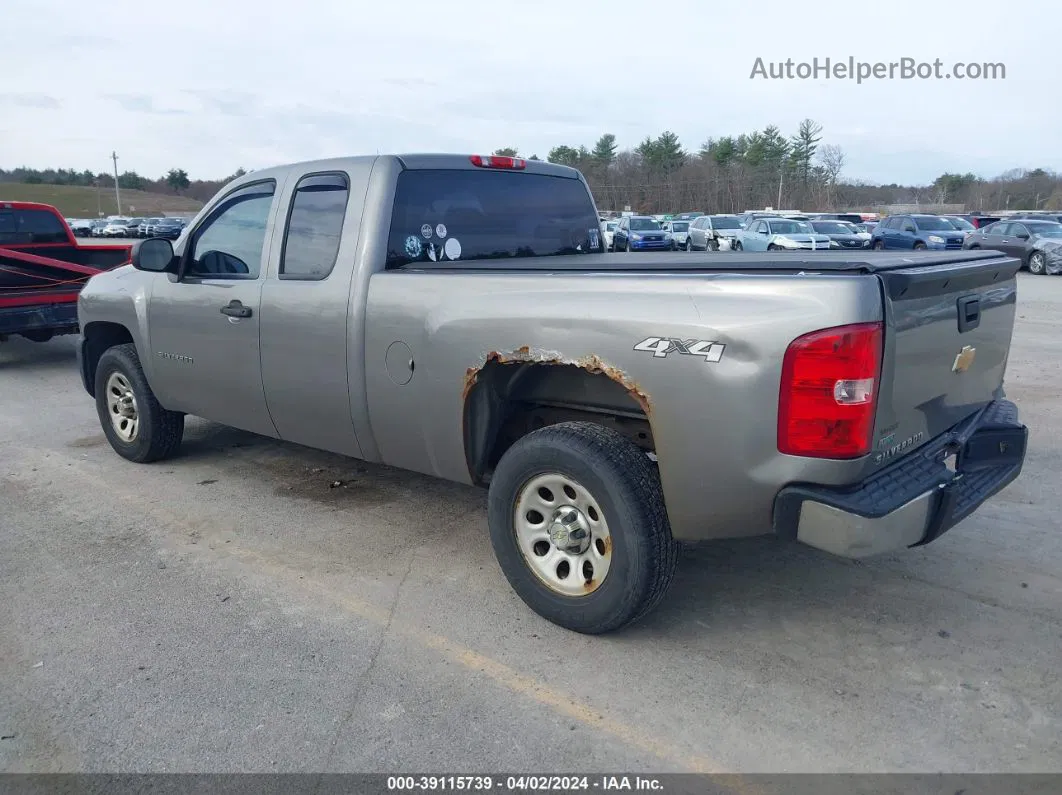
678, 231
115, 229
608, 228
860, 233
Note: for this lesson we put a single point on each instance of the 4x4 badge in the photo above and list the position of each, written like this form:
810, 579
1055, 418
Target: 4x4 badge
661, 346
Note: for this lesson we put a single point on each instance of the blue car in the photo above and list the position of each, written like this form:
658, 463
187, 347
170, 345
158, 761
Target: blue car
640, 233
917, 232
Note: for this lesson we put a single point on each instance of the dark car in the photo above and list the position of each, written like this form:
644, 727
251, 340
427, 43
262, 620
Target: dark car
169, 228
841, 235
977, 220
640, 233
80, 227
960, 223
916, 232
1037, 216
852, 218
1038, 244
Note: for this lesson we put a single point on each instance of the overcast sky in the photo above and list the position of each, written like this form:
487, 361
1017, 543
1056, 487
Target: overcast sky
211, 85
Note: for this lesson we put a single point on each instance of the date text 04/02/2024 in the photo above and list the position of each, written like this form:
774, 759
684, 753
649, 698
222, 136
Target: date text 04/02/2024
522, 783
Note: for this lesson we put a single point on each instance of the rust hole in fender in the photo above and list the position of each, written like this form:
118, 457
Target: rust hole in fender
591, 363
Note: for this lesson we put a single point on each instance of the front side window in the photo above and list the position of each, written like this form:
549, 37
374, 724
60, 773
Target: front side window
229, 244
315, 226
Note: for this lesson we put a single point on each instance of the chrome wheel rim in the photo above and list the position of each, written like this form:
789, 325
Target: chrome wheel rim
1036, 263
121, 405
562, 534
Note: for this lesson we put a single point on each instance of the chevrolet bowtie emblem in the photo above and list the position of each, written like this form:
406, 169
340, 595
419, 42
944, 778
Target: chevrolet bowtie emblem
964, 359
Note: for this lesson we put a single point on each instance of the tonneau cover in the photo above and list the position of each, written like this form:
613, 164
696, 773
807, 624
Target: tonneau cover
783, 261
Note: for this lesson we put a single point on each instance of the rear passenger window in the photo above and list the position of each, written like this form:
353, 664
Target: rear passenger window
456, 215
31, 226
315, 227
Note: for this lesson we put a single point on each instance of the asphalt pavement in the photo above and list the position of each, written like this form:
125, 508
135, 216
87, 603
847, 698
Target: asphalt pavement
258, 606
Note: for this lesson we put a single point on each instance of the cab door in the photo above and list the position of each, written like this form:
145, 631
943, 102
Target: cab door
203, 326
306, 303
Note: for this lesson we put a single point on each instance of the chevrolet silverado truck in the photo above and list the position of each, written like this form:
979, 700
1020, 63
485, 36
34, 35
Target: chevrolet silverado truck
42, 270
458, 316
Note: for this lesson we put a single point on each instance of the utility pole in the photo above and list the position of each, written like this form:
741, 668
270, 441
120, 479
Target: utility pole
117, 195
781, 176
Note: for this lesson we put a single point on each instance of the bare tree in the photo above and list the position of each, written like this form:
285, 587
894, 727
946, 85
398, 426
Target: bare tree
831, 159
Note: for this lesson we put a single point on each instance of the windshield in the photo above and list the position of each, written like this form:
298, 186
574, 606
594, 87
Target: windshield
789, 228
961, 224
1045, 230
611, 226
644, 224
833, 228
680, 226
442, 215
933, 225
724, 222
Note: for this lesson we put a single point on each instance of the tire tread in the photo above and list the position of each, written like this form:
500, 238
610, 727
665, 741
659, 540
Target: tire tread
165, 428
635, 474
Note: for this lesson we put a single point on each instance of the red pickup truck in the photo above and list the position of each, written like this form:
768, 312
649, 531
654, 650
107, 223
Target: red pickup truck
42, 270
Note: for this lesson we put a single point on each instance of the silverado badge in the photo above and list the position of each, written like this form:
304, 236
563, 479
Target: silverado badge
964, 359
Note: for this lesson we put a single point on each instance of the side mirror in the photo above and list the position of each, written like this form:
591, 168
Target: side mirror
154, 255
909, 230
1022, 236
763, 231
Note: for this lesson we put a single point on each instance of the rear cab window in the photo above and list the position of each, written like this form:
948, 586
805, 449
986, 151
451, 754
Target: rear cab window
315, 227
454, 215
28, 226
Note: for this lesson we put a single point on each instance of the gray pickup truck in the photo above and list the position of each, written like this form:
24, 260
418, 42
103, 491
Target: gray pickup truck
458, 316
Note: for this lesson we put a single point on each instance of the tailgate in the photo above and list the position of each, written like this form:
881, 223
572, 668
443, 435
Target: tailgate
947, 338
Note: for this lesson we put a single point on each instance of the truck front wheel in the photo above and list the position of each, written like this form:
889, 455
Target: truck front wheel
137, 427
578, 525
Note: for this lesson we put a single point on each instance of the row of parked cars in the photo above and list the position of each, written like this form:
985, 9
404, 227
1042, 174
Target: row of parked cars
752, 231
170, 228
1034, 238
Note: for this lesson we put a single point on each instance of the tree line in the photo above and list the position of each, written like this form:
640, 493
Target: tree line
766, 168
175, 181
732, 173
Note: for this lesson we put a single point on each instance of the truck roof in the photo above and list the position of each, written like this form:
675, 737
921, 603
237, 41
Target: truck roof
6, 205
412, 160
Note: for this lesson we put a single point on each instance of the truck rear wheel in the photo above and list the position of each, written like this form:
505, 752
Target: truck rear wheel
137, 427
579, 528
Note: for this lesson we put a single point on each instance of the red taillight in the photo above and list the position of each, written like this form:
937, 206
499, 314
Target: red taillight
497, 161
829, 392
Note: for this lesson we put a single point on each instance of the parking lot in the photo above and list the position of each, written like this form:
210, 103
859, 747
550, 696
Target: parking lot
254, 605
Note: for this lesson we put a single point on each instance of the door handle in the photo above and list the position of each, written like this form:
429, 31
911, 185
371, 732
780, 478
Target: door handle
236, 309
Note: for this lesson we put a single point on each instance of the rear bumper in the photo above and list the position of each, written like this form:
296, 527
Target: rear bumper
915, 500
